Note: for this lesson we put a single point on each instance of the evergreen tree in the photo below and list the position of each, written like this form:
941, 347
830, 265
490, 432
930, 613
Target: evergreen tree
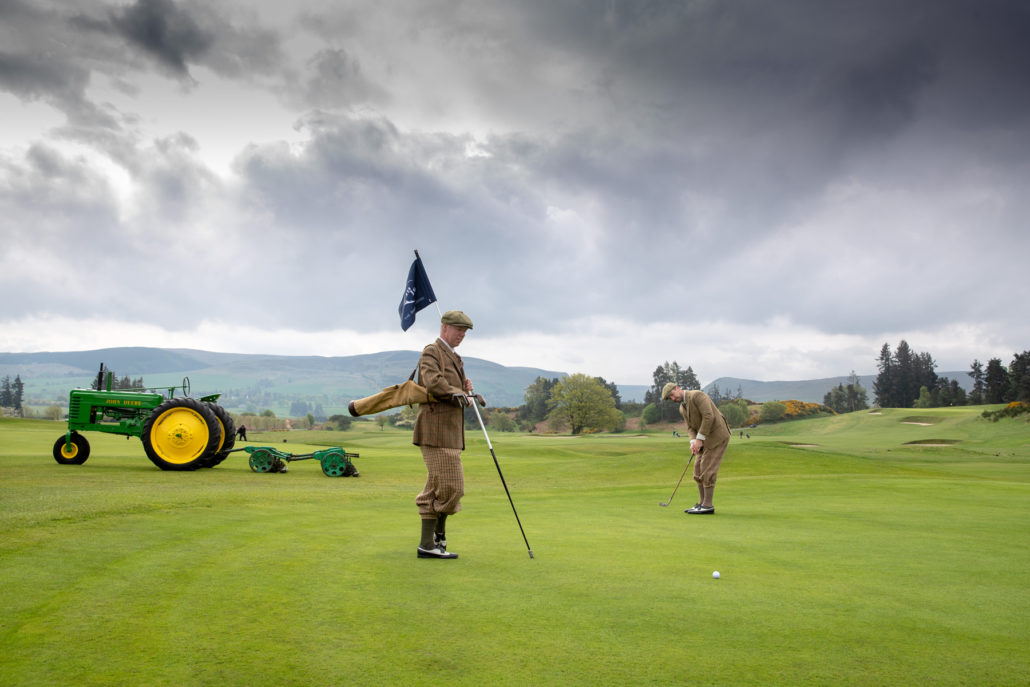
1019, 377
6, 399
976, 371
659, 378
958, 394
902, 376
17, 392
924, 370
996, 382
906, 387
883, 385
688, 380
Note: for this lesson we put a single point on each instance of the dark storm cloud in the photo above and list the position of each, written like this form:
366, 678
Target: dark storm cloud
165, 32
178, 34
53, 51
855, 167
694, 132
32, 76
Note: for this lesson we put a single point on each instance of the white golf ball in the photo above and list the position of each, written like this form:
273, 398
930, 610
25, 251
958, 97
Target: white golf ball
715, 574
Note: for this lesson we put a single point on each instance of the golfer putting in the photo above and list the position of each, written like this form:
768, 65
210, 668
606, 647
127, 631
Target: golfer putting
440, 433
709, 437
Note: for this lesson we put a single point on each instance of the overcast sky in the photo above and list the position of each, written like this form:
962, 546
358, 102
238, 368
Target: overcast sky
766, 190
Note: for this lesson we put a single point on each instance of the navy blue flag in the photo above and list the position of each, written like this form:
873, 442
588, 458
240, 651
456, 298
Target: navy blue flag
418, 293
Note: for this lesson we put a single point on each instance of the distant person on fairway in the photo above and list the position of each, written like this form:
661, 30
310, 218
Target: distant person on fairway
440, 433
709, 437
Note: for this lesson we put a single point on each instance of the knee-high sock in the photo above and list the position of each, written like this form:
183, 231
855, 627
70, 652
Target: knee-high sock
428, 529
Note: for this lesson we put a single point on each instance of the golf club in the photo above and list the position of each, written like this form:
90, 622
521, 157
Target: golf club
472, 401
666, 503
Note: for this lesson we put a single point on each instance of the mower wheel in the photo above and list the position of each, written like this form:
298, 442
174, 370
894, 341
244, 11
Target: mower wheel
74, 454
263, 460
181, 434
228, 435
336, 464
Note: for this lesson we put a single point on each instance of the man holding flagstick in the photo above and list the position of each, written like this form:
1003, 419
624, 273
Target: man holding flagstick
440, 424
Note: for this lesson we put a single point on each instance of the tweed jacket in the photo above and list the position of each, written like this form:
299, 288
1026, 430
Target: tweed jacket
440, 424
702, 416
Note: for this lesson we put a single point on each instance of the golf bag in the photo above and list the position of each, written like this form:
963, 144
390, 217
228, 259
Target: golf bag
404, 394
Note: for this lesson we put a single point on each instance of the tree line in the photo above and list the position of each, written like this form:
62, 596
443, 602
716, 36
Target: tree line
734, 407
577, 403
847, 399
907, 379
12, 393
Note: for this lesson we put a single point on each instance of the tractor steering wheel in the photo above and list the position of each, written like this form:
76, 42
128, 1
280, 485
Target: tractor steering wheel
185, 386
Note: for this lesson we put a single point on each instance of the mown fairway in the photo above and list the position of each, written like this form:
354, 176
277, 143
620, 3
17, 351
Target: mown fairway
861, 560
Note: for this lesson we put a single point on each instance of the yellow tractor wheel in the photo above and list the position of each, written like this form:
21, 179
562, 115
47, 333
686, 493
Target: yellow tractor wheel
181, 434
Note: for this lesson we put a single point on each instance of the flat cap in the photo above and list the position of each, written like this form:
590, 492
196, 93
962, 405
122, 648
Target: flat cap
667, 389
456, 318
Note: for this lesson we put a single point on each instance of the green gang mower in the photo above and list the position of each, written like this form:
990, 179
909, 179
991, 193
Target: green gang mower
335, 461
180, 433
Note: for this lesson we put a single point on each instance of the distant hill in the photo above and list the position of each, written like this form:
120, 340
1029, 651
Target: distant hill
253, 382
256, 382
809, 390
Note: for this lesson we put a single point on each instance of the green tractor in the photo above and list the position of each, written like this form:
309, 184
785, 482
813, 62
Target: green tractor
177, 433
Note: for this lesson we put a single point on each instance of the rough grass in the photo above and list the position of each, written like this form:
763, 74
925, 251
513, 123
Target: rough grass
848, 556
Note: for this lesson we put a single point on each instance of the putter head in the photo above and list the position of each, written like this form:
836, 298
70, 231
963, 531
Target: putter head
663, 505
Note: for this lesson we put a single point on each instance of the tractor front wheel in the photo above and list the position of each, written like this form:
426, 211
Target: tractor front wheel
74, 453
181, 434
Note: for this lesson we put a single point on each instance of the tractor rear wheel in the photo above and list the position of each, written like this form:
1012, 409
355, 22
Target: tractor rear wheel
74, 454
181, 434
228, 435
